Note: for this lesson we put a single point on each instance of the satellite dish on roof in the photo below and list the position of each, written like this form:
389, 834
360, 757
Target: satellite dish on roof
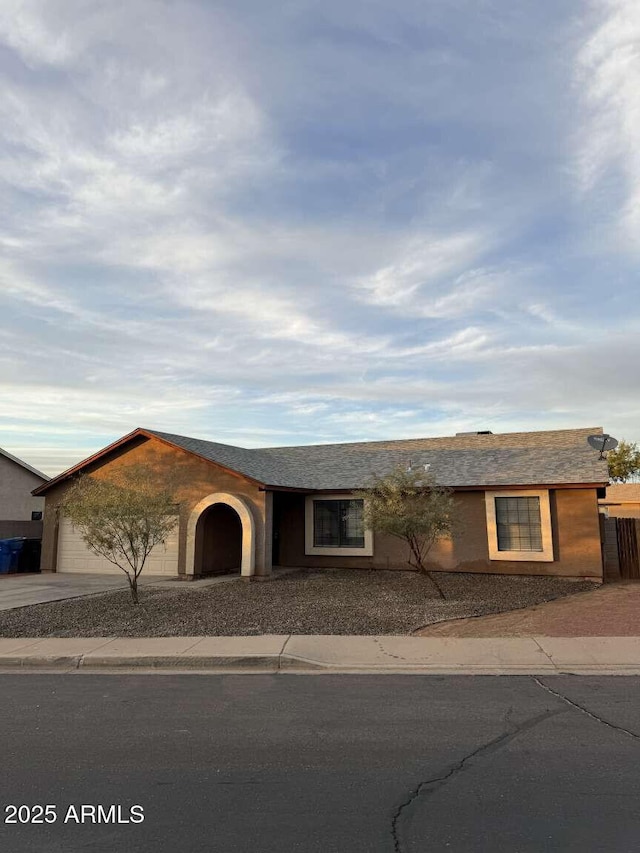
602, 443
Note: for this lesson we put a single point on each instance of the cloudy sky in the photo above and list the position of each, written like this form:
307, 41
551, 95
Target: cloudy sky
298, 222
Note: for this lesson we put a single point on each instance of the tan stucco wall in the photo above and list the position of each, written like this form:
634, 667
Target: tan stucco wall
201, 478
575, 523
628, 510
16, 484
578, 548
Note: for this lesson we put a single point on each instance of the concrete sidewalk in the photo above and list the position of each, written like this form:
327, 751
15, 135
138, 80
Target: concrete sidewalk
361, 654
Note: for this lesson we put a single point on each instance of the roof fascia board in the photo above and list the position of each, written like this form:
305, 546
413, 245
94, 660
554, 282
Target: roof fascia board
498, 486
487, 487
300, 489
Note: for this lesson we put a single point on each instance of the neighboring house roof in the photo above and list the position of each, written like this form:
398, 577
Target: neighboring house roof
622, 493
23, 464
552, 457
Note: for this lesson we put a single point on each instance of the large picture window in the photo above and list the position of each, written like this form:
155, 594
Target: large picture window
519, 526
335, 526
338, 524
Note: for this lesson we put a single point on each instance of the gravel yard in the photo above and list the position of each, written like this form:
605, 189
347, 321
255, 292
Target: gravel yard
301, 602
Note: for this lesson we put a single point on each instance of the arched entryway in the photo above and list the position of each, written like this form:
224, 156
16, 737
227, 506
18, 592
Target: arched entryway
218, 541
221, 536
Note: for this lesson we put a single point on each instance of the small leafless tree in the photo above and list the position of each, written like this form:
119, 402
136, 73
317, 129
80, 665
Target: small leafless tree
410, 505
123, 516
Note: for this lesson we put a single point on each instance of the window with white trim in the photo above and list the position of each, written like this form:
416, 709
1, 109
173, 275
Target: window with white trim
519, 525
334, 525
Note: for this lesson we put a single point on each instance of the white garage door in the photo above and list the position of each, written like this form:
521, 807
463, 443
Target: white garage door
75, 556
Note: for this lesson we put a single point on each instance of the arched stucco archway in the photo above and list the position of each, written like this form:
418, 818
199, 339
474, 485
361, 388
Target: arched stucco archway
247, 566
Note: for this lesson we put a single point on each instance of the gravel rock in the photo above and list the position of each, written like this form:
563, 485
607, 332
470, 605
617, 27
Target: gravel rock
301, 602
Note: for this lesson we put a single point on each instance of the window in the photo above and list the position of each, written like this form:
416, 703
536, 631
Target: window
519, 526
338, 524
36, 515
518, 523
335, 526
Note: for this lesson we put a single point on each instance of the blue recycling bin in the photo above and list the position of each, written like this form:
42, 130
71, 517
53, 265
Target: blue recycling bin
16, 546
10, 554
5, 557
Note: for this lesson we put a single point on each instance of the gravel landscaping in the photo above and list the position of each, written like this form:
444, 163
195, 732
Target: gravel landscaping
301, 602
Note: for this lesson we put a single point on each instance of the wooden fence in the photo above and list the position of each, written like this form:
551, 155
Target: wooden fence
621, 548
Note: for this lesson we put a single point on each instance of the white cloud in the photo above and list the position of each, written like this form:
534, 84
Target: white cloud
462, 344
216, 126
608, 68
23, 28
409, 281
207, 231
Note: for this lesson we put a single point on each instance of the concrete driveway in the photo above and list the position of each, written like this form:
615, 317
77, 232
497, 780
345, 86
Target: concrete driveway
22, 590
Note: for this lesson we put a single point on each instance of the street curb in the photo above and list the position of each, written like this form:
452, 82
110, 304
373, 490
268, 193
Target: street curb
48, 662
262, 663
86, 662
297, 662
285, 664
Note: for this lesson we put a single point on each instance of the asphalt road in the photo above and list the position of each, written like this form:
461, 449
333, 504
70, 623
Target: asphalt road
351, 764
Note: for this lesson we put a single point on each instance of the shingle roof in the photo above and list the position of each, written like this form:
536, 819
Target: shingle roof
257, 464
530, 458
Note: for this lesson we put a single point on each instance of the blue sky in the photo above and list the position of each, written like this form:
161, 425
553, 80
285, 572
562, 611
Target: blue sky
299, 222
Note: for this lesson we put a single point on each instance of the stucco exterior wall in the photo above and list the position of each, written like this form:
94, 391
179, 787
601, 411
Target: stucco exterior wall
575, 524
627, 510
198, 478
16, 483
578, 548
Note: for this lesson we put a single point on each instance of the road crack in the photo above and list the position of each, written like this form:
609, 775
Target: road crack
437, 781
584, 710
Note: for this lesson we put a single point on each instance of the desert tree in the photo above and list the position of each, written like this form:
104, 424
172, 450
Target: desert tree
124, 514
408, 504
624, 462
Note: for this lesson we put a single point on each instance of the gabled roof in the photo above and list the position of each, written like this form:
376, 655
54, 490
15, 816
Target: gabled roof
552, 457
23, 464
